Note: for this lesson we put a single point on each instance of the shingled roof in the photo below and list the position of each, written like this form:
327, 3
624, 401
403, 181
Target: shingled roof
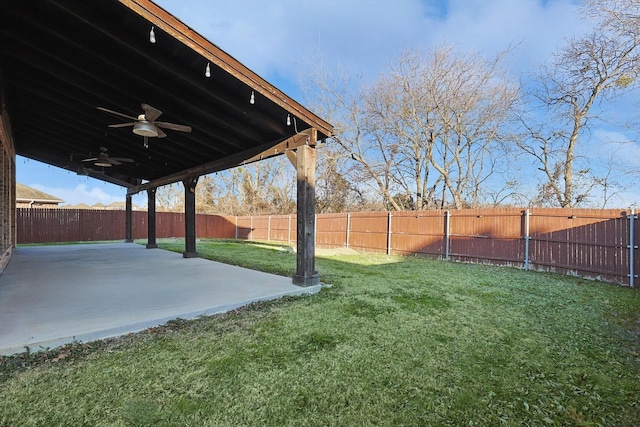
27, 194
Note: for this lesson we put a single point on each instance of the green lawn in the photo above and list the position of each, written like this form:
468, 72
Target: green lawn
396, 341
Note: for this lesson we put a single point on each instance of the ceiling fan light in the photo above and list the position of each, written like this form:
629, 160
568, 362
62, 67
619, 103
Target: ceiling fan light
102, 164
144, 128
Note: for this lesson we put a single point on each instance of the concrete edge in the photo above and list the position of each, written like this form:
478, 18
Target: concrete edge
35, 347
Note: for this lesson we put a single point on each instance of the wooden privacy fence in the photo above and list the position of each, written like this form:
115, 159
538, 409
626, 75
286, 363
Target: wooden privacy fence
593, 243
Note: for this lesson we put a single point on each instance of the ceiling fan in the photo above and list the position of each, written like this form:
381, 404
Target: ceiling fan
103, 159
145, 124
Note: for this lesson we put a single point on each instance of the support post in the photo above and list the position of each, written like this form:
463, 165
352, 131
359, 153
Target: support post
389, 233
632, 248
151, 219
348, 228
190, 218
306, 275
527, 237
128, 220
447, 234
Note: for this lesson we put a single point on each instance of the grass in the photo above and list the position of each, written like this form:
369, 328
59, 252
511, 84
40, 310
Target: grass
396, 341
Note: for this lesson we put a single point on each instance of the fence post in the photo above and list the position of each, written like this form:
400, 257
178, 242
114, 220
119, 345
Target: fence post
289, 231
526, 239
236, 227
389, 233
251, 228
632, 247
269, 229
447, 221
348, 228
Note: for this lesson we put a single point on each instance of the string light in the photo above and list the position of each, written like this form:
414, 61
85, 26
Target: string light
152, 35
207, 71
252, 100
288, 119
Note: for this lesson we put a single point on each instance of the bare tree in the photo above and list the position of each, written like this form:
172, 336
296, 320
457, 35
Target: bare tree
265, 187
596, 67
170, 197
364, 162
441, 114
426, 133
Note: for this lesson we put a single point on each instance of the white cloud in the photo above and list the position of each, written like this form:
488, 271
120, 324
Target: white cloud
271, 37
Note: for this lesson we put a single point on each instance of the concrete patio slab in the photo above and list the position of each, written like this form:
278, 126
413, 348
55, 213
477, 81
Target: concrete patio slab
53, 295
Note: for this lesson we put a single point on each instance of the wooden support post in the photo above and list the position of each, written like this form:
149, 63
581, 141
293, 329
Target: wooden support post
306, 275
151, 219
128, 219
190, 218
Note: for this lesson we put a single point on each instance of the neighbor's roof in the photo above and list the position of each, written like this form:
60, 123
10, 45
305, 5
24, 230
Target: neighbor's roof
28, 194
61, 59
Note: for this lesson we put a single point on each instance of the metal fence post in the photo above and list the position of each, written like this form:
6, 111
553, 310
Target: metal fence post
348, 228
632, 247
526, 239
447, 221
389, 233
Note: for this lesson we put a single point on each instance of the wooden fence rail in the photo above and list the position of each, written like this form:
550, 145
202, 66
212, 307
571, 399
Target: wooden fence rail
592, 243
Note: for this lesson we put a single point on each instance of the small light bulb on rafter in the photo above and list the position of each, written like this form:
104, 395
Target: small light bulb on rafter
152, 36
207, 71
252, 100
288, 119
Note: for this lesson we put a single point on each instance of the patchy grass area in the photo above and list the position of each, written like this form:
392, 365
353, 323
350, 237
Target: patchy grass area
396, 341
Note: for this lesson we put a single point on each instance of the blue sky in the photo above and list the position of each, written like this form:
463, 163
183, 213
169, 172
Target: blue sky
275, 37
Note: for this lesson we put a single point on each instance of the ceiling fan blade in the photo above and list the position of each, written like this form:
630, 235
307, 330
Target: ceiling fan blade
114, 161
92, 159
121, 125
173, 126
121, 159
161, 134
116, 113
150, 113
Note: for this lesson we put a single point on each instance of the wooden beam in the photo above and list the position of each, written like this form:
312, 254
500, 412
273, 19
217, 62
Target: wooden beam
255, 154
190, 218
151, 219
306, 274
128, 220
303, 138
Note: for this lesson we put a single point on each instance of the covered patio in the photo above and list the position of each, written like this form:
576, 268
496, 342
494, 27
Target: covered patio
53, 295
125, 92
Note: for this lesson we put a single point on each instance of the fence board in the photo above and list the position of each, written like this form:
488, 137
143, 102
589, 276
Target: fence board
418, 233
331, 230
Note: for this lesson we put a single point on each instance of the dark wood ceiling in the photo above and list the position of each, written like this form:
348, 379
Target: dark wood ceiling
60, 59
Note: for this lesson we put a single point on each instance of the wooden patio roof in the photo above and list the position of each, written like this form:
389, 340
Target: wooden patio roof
61, 59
